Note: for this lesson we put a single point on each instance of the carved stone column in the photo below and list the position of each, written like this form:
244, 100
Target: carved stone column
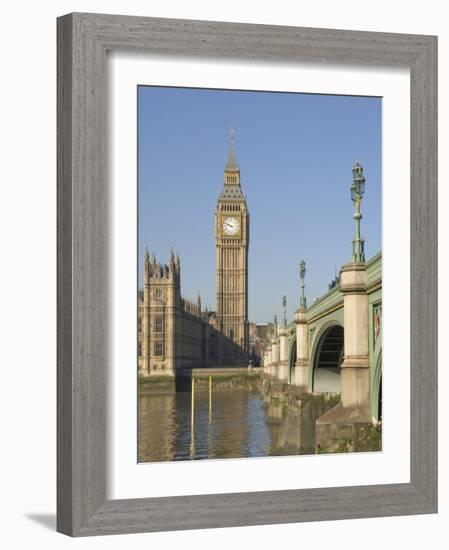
283, 354
302, 350
283, 345
269, 362
355, 371
275, 355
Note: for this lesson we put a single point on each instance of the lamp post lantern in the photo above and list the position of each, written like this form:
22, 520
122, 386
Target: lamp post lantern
302, 276
357, 192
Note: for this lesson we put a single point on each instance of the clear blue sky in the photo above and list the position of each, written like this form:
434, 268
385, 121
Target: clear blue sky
295, 153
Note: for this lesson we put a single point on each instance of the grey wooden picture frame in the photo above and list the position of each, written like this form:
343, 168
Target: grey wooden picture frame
83, 41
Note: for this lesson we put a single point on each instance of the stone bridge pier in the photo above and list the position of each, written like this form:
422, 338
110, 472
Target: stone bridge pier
355, 391
283, 354
301, 371
353, 413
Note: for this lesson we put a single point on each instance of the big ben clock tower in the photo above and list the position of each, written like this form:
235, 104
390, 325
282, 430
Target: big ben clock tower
232, 241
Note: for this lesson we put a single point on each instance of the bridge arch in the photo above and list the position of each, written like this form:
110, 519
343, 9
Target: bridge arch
291, 358
326, 358
376, 390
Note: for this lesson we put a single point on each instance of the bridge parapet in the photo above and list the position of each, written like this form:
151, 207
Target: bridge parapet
324, 303
374, 270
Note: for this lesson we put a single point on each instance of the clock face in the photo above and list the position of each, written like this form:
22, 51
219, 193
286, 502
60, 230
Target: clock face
231, 226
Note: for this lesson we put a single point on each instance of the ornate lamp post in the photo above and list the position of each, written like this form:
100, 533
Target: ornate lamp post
283, 371
357, 192
354, 409
302, 276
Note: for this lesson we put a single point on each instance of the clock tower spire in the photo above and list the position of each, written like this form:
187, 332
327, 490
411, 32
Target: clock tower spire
232, 242
231, 165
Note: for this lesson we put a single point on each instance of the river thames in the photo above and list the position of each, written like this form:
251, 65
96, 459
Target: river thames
228, 419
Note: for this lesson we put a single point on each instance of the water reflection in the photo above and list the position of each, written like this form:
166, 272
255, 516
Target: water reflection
236, 427
251, 420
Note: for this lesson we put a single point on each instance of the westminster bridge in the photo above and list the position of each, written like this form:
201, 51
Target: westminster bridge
335, 346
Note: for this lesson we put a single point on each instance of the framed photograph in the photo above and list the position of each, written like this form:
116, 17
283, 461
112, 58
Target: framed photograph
236, 205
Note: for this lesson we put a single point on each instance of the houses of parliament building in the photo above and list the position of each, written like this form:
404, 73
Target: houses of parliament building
175, 333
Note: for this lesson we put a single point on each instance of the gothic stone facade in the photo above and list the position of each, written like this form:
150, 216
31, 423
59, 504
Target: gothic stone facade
173, 332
